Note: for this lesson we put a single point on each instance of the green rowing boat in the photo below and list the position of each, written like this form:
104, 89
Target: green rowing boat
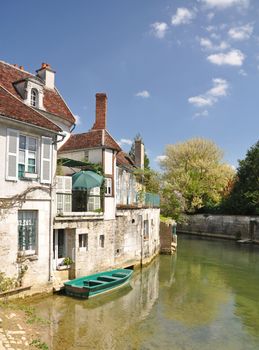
92, 285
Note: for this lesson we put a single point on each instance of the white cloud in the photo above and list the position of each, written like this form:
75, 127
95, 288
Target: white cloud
201, 101
78, 120
159, 159
223, 4
210, 15
182, 16
241, 33
143, 94
209, 98
207, 44
159, 29
231, 58
242, 72
220, 88
204, 113
122, 142
215, 36
211, 28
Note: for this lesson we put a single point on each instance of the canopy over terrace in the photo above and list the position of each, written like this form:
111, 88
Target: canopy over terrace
86, 184
85, 180
71, 163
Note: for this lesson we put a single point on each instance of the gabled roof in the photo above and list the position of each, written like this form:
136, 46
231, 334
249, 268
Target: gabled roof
90, 139
52, 100
124, 160
13, 108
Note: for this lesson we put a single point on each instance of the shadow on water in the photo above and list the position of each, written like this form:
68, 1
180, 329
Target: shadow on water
205, 297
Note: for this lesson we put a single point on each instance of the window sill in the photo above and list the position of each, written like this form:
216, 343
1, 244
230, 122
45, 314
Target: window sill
63, 267
28, 255
29, 178
82, 249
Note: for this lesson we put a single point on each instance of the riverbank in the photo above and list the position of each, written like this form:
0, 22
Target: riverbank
21, 327
232, 227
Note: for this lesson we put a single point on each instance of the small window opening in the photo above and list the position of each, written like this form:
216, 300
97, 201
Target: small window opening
101, 241
34, 98
83, 240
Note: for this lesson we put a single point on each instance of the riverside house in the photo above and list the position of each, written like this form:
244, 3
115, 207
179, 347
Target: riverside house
50, 229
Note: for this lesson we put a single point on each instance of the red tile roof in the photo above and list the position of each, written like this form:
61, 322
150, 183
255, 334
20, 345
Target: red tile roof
91, 139
123, 159
52, 100
13, 108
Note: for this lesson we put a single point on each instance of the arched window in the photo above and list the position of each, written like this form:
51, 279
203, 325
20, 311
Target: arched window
34, 98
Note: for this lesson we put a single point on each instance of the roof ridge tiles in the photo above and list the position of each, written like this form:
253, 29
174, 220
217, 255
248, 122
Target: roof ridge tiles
18, 68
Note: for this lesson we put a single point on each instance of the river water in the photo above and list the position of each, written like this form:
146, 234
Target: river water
206, 297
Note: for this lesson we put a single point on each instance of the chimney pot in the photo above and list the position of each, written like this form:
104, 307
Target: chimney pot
45, 65
47, 75
101, 111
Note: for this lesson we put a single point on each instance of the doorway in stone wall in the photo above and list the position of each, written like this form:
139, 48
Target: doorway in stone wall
59, 246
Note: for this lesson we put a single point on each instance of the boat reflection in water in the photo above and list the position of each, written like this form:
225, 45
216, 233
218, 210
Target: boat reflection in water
104, 321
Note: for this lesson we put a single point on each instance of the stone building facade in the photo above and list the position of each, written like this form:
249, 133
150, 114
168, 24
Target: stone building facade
38, 227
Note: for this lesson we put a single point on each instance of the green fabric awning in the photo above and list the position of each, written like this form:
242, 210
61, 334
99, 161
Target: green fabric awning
71, 163
84, 180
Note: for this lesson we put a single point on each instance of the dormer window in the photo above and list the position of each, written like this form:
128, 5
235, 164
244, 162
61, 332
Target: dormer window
34, 98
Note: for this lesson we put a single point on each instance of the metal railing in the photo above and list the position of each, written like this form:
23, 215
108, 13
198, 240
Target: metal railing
152, 200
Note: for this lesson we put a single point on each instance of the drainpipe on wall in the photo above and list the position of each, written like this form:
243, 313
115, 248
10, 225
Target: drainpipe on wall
51, 217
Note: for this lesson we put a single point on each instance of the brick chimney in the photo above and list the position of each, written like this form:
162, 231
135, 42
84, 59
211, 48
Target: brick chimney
47, 74
139, 153
100, 112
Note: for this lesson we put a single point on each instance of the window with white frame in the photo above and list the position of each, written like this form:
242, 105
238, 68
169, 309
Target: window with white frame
108, 186
64, 193
34, 98
27, 155
27, 231
94, 199
86, 156
83, 241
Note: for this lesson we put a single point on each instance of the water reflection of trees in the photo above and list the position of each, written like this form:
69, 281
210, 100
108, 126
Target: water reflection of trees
196, 295
245, 285
207, 274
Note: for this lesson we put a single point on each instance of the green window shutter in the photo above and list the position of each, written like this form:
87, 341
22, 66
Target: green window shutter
12, 155
46, 158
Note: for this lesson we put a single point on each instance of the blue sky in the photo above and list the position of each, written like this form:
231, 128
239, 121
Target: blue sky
172, 70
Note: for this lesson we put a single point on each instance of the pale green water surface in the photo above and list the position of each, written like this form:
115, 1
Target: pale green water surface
206, 297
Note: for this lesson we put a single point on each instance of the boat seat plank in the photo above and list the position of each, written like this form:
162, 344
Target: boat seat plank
92, 283
107, 278
119, 274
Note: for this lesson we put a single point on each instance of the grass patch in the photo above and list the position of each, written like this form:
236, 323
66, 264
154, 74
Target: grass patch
38, 344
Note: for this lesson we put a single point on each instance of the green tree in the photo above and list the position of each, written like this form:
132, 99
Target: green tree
244, 196
195, 175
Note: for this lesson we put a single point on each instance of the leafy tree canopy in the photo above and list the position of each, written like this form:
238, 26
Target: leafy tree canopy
244, 196
195, 175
